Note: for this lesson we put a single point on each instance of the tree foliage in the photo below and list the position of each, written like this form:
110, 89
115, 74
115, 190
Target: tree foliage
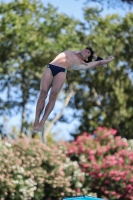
112, 3
103, 96
31, 35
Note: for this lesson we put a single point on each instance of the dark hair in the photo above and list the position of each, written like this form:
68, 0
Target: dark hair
91, 56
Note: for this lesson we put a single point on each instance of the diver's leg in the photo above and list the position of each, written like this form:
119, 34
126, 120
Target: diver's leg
57, 84
45, 85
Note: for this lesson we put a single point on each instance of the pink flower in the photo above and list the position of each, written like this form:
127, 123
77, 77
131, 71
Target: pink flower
102, 188
113, 193
106, 192
100, 175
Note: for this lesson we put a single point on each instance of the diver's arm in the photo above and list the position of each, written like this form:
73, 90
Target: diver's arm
99, 58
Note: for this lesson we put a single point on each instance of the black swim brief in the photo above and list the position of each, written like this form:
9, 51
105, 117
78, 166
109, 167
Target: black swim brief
55, 69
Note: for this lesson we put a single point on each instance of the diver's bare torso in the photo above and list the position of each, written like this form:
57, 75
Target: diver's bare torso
69, 60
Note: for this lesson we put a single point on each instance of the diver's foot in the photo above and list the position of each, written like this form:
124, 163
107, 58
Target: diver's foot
40, 127
35, 125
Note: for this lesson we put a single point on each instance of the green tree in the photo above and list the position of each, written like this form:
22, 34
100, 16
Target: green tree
31, 35
103, 96
112, 3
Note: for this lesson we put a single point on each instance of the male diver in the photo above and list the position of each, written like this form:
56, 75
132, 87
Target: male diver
54, 77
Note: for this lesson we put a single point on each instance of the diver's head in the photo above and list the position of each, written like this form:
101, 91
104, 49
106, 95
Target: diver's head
90, 54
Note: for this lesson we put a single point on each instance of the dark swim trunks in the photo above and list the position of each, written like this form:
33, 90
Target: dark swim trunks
55, 69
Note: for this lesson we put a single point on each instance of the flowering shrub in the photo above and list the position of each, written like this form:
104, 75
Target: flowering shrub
32, 170
101, 163
107, 161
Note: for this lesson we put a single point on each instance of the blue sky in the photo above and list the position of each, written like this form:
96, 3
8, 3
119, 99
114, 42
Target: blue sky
73, 8
70, 7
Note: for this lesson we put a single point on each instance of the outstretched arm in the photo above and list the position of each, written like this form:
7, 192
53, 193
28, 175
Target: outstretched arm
96, 58
99, 62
